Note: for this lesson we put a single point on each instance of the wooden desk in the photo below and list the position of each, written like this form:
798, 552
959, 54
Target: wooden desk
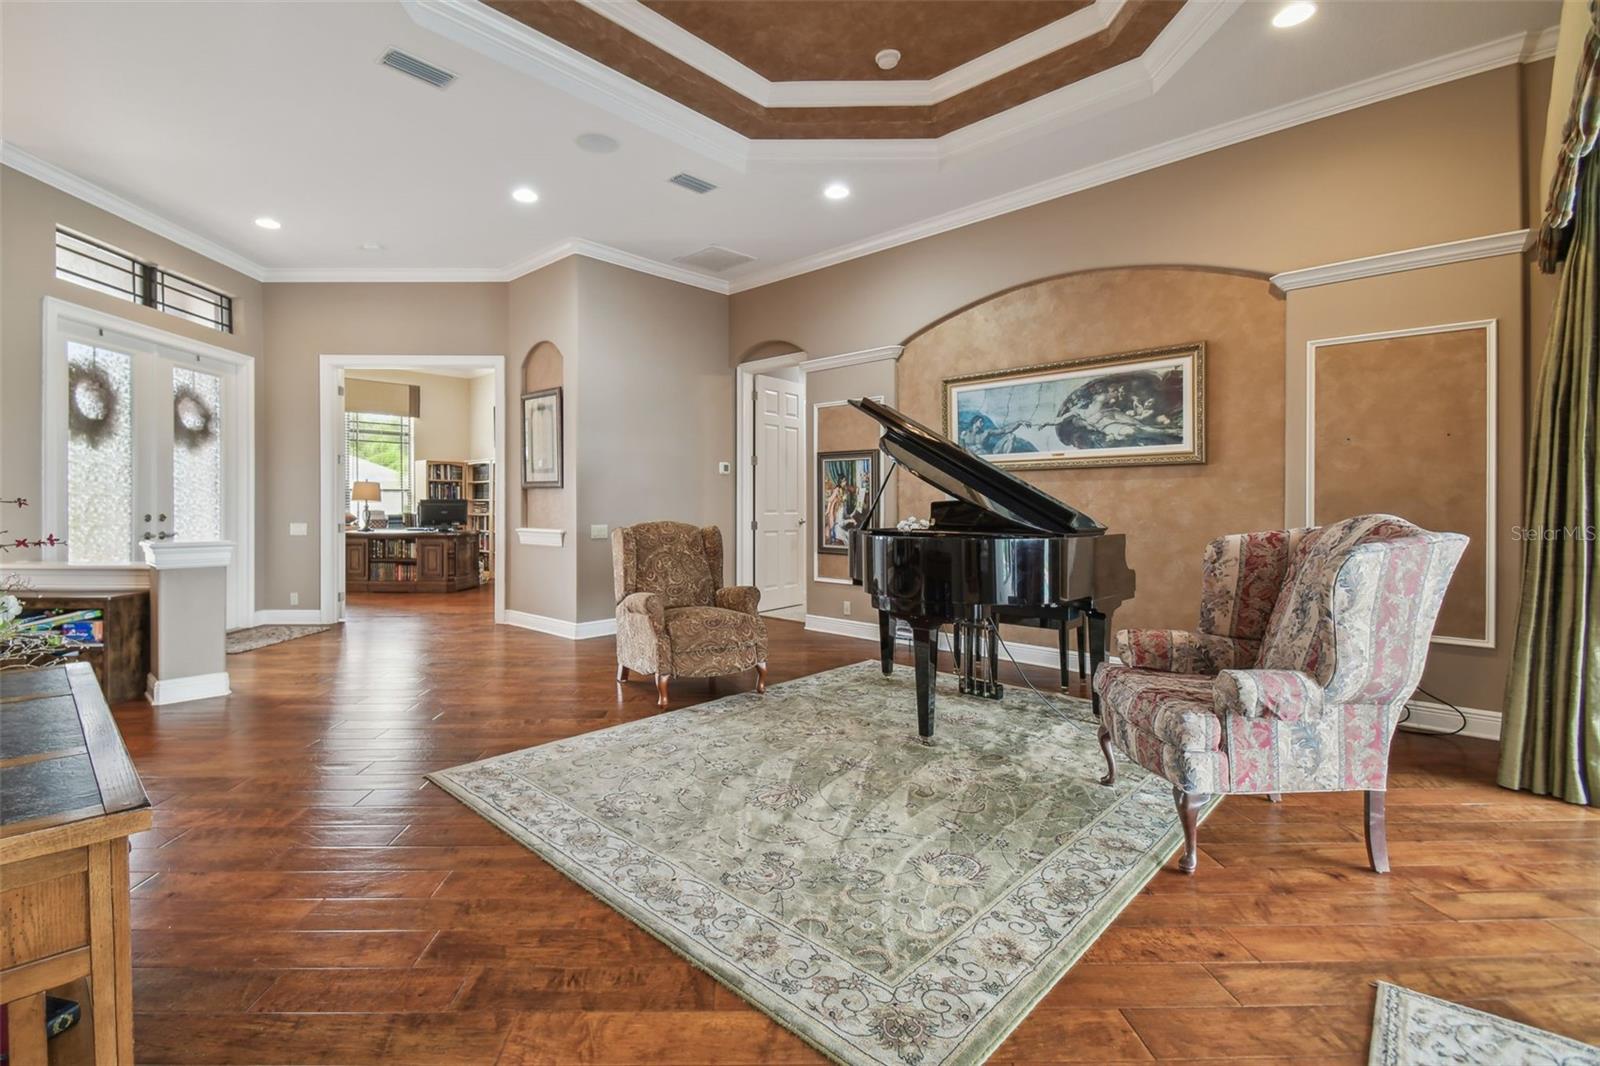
406, 560
69, 799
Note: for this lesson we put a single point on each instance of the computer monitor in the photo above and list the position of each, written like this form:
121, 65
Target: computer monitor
432, 514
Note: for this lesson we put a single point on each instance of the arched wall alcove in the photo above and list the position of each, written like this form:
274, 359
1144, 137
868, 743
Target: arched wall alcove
1167, 512
767, 349
543, 368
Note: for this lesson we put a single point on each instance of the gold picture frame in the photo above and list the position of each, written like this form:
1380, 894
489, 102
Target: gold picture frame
1139, 408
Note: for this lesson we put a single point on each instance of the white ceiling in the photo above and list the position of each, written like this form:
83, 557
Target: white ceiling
197, 118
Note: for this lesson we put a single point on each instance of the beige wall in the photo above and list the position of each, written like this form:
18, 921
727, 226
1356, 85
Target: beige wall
481, 406
444, 429
30, 211
302, 323
655, 415
1443, 164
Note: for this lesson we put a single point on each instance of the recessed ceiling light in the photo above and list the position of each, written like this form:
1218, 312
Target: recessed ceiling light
837, 190
598, 143
887, 59
371, 246
524, 195
268, 223
1293, 14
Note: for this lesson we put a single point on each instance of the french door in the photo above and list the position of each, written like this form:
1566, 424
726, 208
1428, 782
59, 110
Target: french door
148, 447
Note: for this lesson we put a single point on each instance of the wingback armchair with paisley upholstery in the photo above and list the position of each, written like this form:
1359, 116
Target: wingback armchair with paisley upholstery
1310, 642
675, 618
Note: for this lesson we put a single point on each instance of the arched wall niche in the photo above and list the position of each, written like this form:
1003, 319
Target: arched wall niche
1167, 513
544, 508
767, 349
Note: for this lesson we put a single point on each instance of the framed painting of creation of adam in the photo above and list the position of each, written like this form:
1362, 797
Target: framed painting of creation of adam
1131, 409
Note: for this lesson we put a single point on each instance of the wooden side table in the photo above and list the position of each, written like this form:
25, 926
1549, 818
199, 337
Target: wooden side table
69, 800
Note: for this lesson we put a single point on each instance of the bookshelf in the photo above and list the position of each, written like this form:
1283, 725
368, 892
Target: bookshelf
480, 513
442, 479
403, 560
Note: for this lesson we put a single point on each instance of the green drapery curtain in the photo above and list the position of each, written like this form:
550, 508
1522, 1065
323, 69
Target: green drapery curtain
1550, 742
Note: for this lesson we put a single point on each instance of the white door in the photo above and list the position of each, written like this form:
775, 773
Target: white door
780, 514
146, 452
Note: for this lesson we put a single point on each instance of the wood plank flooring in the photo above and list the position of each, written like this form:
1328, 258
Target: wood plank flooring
305, 897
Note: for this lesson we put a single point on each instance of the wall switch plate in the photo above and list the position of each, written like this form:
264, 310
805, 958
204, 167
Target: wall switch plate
294, 599
847, 607
724, 467
599, 532
297, 529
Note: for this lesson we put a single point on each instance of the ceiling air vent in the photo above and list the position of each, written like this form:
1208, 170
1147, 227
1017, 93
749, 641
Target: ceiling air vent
692, 183
715, 258
417, 68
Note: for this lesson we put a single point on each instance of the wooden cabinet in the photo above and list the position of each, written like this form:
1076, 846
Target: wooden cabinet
121, 658
405, 560
72, 801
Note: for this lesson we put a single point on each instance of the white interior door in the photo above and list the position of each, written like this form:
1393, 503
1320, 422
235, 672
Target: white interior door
147, 454
780, 515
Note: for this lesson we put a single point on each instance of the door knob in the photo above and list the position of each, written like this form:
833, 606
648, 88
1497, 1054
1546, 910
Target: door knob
147, 518
163, 535
148, 536
163, 518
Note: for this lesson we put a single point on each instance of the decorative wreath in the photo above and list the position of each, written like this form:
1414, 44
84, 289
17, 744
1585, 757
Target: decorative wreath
193, 420
91, 404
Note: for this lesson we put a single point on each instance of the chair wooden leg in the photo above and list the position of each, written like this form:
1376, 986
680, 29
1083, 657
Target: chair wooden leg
761, 677
661, 689
1189, 804
622, 673
1377, 833
1105, 748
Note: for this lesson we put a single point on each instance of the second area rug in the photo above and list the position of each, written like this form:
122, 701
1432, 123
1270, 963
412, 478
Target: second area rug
889, 900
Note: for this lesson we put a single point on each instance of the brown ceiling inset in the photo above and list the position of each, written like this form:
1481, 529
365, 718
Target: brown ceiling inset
1135, 27
837, 40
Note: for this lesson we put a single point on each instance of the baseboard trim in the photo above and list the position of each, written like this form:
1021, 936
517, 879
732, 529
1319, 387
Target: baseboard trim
163, 691
1027, 654
560, 627
296, 617
1430, 717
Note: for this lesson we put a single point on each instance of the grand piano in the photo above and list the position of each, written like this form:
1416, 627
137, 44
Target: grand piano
999, 550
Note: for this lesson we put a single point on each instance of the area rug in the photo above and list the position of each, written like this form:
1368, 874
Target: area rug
1411, 1029
891, 900
241, 640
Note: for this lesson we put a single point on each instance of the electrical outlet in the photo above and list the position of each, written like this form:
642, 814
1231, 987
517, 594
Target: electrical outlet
294, 599
846, 607
297, 529
599, 532
724, 467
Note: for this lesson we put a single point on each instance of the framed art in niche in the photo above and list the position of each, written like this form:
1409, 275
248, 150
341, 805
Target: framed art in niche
541, 439
1130, 409
845, 484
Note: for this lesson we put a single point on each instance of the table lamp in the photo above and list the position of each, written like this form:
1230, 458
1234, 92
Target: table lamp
367, 492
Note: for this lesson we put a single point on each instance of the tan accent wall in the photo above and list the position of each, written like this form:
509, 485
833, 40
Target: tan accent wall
302, 323
30, 211
1401, 426
1167, 512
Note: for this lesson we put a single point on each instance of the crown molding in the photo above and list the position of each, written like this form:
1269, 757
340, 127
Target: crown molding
617, 257
388, 275
1437, 71
866, 355
26, 163
1513, 242
1542, 45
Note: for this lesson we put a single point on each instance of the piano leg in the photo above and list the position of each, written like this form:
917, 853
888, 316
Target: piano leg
1062, 629
1083, 650
886, 642
925, 651
1097, 653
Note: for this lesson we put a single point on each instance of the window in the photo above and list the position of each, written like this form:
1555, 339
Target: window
105, 269
378, 448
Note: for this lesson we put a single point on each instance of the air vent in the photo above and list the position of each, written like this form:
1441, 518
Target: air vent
715, 258
692, 183
417, 69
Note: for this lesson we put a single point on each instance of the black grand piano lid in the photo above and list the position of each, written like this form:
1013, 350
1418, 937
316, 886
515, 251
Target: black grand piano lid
957, 472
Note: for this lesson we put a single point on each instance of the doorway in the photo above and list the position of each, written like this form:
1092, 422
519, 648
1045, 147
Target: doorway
149, 437
413, 483
773, 510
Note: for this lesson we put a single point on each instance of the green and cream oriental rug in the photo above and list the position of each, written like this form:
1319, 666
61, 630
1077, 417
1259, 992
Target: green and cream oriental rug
890, 900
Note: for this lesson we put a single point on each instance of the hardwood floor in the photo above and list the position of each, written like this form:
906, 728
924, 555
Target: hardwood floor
305, 897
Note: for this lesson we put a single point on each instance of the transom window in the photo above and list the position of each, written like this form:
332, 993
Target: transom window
98, 266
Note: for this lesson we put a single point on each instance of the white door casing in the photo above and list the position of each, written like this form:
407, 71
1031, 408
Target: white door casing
778, 479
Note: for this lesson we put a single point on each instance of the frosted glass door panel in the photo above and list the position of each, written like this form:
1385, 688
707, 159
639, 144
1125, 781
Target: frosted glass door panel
100, 455
196, 455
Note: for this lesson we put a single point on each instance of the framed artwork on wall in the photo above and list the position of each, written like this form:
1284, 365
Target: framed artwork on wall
845, 484
1130, 409
541, 439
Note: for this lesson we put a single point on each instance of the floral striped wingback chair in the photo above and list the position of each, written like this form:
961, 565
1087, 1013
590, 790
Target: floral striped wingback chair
675, 618
1310, 642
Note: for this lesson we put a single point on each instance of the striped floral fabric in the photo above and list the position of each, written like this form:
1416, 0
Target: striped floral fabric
1343, 645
